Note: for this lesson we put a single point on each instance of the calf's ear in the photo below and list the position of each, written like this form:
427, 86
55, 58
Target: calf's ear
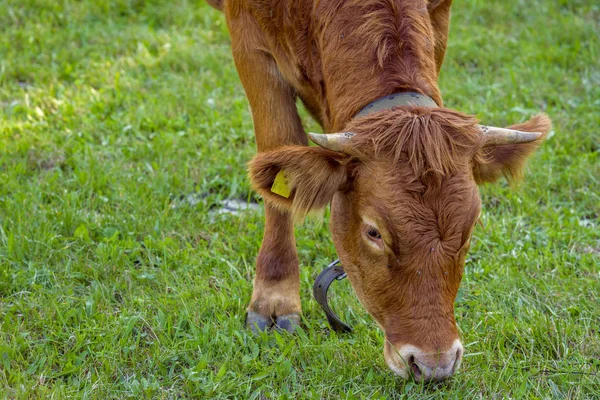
299, 179
490, 163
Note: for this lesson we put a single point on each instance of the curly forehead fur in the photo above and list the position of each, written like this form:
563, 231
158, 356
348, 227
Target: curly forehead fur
434, 141
438, 142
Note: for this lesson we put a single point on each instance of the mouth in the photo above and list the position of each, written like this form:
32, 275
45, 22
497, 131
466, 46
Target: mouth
409, 361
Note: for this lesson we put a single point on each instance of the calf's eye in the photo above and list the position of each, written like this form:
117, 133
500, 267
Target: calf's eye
374, 234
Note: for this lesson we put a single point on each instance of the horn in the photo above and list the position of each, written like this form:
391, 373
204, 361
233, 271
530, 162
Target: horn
340, 142
494, 136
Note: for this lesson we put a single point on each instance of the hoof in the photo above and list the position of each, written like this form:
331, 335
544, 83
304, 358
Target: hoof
288, 322
258, 323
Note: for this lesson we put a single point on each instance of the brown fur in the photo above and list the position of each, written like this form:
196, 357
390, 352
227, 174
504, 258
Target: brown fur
426, 224
413, 172
328, 55
436, 141
277, 280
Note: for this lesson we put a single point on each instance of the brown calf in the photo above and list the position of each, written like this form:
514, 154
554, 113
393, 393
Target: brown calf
402, 181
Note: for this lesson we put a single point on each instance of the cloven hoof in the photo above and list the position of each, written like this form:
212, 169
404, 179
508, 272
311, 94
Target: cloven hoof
288, 322
259, 323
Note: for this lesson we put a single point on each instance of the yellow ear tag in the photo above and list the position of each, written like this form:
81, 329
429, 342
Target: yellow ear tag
280, 185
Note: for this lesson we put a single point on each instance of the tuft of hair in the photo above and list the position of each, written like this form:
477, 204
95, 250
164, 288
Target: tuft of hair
434, 141
313, 175
509, 160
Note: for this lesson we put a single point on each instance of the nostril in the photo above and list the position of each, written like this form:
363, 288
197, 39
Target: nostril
414, 367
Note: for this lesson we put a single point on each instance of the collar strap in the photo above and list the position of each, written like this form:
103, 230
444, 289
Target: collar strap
394, 100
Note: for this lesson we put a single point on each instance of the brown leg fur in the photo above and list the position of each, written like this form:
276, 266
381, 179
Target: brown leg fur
276, 296
439, 12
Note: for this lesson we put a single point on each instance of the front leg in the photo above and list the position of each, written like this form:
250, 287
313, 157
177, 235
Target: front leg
439, 13
276, 294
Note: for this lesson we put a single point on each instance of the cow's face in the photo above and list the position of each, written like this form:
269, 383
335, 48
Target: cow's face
403, 209
403, 243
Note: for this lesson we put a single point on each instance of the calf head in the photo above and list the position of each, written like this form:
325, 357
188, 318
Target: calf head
404, 201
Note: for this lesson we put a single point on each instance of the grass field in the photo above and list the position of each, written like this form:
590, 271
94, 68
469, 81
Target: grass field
123, 125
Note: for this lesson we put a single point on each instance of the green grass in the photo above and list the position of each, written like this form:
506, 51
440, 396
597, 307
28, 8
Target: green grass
112, 285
